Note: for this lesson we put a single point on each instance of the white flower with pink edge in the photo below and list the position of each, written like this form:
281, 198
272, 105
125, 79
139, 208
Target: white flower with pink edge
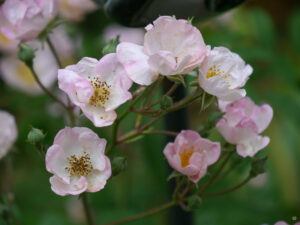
171, 47
78, 162
191, 154
223, 73
242, 124
97, 87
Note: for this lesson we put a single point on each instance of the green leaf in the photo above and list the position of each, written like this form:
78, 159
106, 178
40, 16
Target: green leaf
111, 46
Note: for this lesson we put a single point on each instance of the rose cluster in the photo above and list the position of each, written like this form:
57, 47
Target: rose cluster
171, 47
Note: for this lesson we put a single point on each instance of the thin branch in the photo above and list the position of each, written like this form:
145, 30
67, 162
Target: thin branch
228, 190
166, 132
142, 215
51, 46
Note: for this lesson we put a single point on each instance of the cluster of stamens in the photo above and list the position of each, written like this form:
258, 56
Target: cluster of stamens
214, 71
80, 166
186, 153
101, 91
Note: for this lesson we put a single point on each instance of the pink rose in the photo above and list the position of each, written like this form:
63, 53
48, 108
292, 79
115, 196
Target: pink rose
27, 18
243, 122
223, 73
171, 47
191, 154
97, 87
77, 161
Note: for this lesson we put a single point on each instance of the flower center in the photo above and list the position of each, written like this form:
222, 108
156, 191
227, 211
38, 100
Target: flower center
101, 92
214, 71
186, 154
80, 166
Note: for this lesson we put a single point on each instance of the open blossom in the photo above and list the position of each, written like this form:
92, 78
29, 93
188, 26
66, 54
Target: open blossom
191, 154
8, 132
171, 47
77, 161
27, 18
75, 10
16, 74
127, 34
97, 87
223, 73
242, 124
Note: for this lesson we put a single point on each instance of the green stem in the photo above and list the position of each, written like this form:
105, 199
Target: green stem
51, 46
166, 132
142, 215
228, 190
87, 209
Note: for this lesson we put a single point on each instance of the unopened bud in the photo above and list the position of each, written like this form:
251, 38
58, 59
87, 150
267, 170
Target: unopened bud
119, 164
194, 202
35, 136
166, 102
26, 54
258, 166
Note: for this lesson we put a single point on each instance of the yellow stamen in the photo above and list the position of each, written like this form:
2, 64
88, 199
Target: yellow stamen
80, 166
101, 92
214, 71
186, 154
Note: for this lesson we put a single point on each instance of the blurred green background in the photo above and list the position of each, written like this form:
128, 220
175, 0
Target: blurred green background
267, 35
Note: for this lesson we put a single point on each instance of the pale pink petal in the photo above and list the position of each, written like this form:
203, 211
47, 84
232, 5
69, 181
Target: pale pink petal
251, 147
112, 71
76, 187
262, 116
244, 131
97, 179
85, 67
78, 88
99, 116
164, 62
135, 62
